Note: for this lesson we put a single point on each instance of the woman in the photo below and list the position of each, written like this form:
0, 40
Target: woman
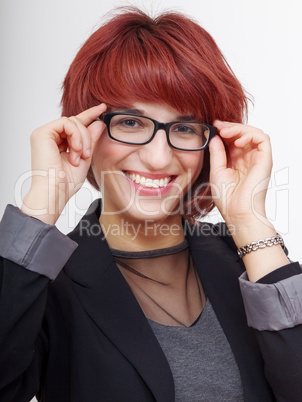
140, 302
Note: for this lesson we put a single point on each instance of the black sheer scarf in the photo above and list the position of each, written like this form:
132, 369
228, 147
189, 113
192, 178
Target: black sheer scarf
165, 283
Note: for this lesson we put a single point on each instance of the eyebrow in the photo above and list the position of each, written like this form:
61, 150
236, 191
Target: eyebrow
142, 113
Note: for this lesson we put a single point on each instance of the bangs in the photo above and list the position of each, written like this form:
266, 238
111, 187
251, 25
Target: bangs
144, 68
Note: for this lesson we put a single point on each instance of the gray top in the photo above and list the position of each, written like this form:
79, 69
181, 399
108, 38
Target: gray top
44, 249
201, 360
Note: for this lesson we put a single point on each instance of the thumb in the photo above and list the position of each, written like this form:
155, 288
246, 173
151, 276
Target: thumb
96, 129
218, 156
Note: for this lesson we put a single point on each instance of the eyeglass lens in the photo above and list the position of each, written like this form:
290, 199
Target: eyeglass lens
138, 130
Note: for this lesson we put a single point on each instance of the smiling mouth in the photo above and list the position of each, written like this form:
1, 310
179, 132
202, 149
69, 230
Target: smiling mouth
148, 182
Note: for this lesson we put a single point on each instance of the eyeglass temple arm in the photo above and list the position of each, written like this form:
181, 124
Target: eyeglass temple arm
213, 131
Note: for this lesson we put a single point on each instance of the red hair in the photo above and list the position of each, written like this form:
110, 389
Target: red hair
169, 59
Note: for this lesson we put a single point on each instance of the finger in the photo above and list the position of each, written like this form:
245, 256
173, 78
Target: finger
252, 136
78, 137
255, 139
85, 137
73, 136
89, 136
68, 137
246, 139
89, 115
229, 129
220, 124
232, 131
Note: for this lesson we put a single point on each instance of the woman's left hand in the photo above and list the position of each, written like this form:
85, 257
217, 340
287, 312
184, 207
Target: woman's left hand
240, 169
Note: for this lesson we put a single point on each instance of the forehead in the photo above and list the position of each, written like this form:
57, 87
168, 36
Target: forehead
157, 111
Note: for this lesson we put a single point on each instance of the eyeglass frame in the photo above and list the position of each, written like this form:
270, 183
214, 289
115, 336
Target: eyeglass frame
107, 117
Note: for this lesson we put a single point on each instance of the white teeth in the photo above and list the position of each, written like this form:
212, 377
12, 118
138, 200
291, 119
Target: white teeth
156, 183
147, 182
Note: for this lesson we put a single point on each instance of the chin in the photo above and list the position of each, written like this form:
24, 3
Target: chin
162, 212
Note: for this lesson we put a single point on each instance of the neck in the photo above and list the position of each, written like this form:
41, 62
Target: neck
142, 235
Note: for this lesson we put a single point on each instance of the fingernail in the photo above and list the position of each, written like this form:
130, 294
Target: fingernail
88, 152
77, 160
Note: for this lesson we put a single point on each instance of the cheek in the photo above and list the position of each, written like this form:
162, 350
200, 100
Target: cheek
194, 163
102, 158
106, 153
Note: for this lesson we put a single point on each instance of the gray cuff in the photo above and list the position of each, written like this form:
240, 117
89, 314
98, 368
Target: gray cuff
33, 244
272, 307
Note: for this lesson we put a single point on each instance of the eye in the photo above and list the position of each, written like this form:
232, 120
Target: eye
123, 122
130, 123
186, 129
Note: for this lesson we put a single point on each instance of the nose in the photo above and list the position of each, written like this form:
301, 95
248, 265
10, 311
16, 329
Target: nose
157, 154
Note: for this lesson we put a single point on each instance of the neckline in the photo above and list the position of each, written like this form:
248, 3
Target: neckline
150, 253
179, 327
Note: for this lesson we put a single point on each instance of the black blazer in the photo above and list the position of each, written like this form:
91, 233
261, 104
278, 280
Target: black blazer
84, 337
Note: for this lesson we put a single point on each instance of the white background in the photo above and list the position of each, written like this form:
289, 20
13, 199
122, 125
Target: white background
261, 40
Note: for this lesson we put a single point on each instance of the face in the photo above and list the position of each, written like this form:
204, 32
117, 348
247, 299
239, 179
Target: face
145, 182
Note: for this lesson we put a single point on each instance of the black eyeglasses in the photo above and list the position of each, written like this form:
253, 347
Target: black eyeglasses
139, 130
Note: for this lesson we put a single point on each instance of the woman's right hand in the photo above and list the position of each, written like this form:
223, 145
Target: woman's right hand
61, 153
